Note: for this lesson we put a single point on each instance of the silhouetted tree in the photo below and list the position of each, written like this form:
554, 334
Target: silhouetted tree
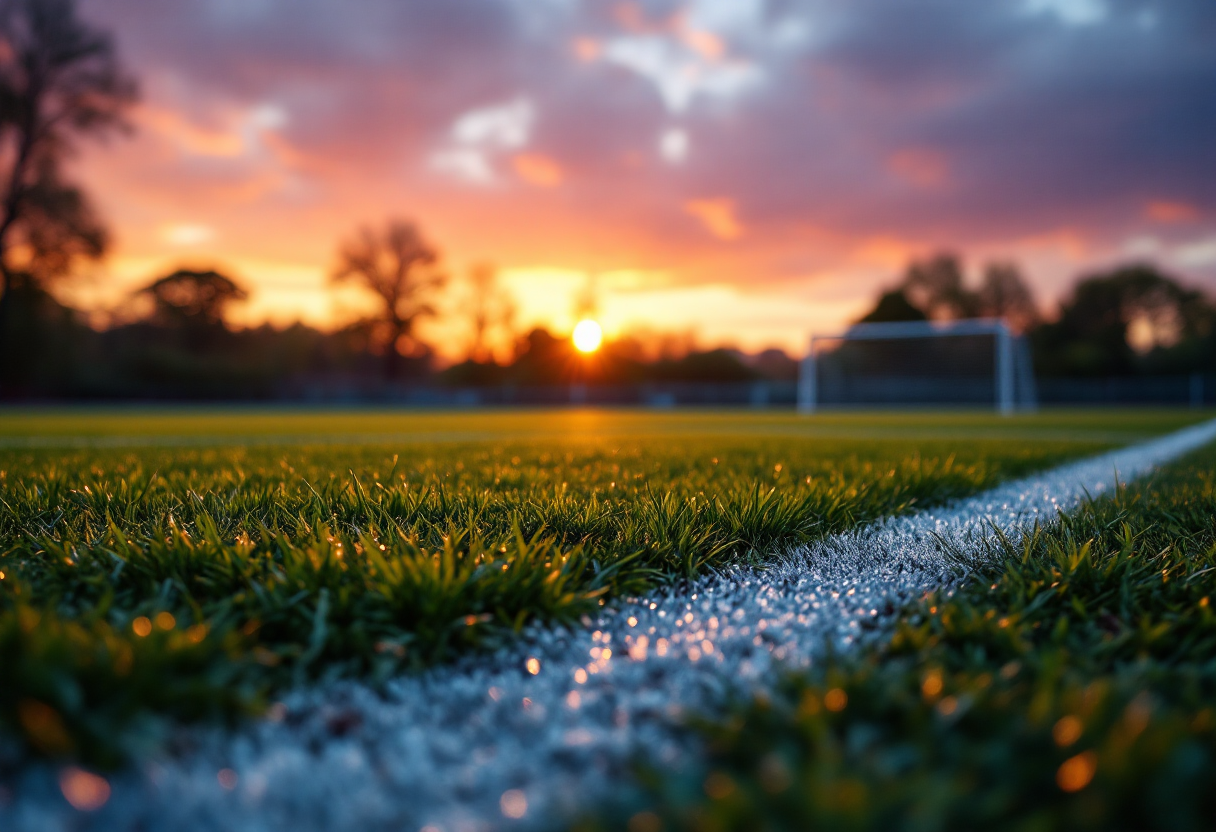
40, 339
711, 366
543, 358
1096, 331
490, 308
59, 79
936, 286
776, 365
893, 306
401, 269
1004, 294
192, 302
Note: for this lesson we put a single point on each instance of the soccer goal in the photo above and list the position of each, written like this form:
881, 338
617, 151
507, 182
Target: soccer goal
977, 362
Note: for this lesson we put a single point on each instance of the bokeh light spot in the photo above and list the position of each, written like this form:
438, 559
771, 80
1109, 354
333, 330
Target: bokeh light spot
513, 803
84, 790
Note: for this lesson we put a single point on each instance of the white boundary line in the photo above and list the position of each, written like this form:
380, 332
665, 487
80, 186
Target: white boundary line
439, 751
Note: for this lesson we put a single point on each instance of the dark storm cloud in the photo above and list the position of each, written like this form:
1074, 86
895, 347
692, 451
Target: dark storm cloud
1036, 120
942, 120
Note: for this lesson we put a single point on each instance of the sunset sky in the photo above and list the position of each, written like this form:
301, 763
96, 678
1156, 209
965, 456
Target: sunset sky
749, 170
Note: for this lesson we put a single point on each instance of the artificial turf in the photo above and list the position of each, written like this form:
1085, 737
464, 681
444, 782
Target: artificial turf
232, 553
1067, 684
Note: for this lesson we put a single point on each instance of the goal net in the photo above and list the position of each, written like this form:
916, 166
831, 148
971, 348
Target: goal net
977, 362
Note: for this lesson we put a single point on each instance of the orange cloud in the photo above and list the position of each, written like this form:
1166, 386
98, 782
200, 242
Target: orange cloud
187, 234
586, 49
286, 153
887, 252
1164, 210
193, 139
920, 167
717, 215
536, 169
1069, 243
707, 44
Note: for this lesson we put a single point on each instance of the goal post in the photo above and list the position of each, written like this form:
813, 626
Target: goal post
973, 362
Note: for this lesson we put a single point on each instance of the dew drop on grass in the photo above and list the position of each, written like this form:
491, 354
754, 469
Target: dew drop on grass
86, 791
1066, 731
1075, 773
835, 700
514, 803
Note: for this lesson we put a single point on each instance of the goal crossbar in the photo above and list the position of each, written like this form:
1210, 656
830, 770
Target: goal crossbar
915, 329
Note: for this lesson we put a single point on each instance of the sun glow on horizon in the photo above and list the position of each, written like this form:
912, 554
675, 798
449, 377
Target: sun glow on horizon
587, 336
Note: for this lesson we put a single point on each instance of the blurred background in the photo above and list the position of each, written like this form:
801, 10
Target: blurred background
497, 201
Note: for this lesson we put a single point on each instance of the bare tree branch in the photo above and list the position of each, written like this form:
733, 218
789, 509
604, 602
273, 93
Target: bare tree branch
398, 266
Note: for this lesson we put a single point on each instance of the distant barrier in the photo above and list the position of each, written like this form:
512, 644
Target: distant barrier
1196, 390
683, 394
1185, 390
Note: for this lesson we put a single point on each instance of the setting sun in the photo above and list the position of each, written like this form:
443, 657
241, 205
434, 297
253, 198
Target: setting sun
587, 336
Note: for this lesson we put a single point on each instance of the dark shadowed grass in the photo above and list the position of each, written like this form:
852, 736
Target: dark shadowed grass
83, 689
1070, 686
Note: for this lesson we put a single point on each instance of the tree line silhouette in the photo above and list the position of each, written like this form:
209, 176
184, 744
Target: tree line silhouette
1133, 319
61, 82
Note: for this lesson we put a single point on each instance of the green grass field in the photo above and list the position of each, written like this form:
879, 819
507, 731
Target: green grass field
24, 427
1069, 687
185, 564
